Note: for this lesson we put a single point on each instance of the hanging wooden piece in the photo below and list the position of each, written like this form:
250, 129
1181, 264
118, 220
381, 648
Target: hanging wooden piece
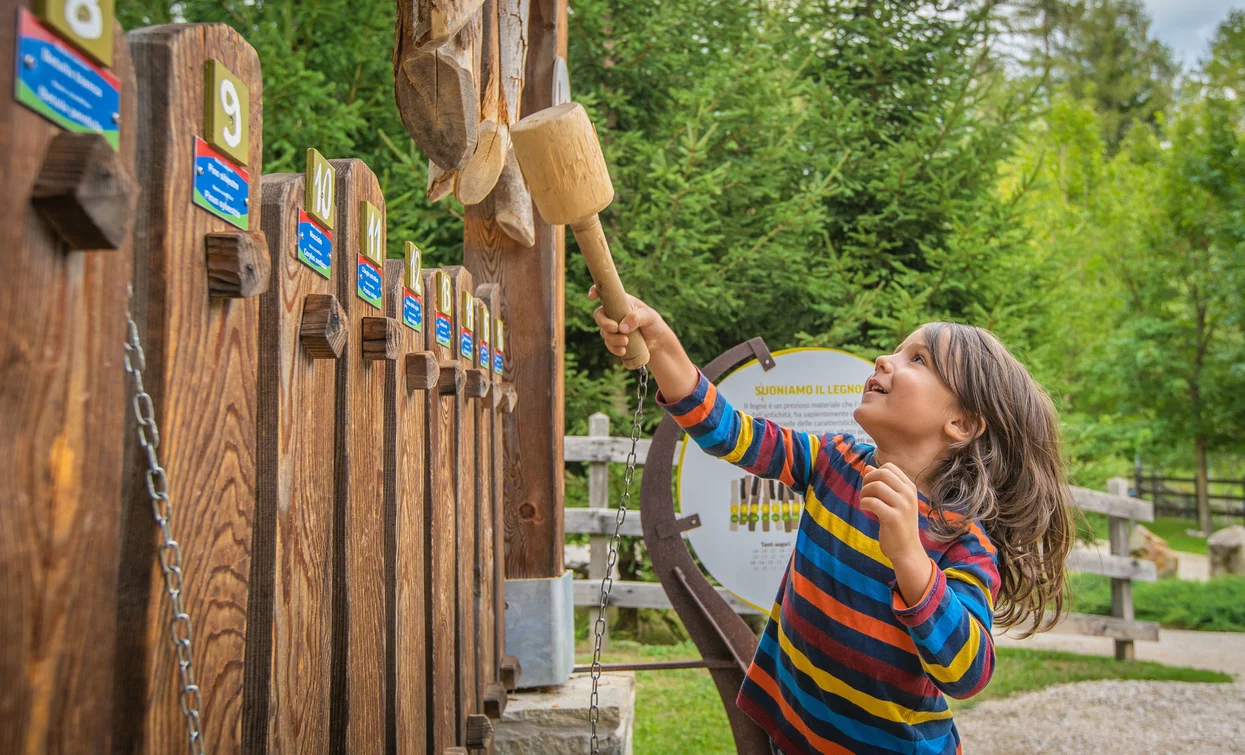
512, 203
435, 77
478, 177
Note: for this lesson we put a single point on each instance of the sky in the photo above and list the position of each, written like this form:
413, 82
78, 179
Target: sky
1186, 26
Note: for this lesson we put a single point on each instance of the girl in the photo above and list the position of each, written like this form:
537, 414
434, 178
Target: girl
907, 552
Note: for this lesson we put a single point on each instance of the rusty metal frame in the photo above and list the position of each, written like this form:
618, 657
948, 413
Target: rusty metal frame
725, 642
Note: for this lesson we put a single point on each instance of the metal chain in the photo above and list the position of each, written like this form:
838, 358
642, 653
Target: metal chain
607, 581
169, 555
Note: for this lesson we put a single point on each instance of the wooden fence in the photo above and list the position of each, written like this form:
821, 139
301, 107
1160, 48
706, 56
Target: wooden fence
599, 450
1177, 496
329, 456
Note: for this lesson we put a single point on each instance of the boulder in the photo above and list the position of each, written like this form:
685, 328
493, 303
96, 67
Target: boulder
1146, 545
1227, 551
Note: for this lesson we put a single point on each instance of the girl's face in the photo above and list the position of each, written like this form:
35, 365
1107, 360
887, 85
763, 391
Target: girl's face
905, 401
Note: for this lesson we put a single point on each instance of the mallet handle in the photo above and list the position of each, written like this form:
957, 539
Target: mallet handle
596, 251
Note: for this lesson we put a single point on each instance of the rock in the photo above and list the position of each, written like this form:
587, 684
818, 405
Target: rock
1227, 551
1146, 545
554, 720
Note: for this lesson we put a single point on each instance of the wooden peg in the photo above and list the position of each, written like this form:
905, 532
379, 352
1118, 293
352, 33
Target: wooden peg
323, 328
452, 378
422, 372
479, 732
511, 671
238, 264
510, 397
382, 339
495, 699
477, 383
85, 193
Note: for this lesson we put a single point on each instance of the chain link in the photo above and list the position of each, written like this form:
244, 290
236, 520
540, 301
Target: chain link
607, 581
169, 554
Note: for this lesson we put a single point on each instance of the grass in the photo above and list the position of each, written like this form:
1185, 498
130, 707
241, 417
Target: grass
680, 711
1173, 530
1217, 605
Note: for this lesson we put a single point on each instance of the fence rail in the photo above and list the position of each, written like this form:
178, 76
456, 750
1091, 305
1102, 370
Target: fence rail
1179, 501
599, 449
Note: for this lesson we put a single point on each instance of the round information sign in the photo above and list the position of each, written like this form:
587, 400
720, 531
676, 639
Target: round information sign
748, 525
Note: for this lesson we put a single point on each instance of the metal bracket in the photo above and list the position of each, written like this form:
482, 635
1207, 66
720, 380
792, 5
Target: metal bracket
678, 526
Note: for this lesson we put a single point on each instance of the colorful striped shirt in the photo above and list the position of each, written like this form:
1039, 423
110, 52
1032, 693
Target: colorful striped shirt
844, 664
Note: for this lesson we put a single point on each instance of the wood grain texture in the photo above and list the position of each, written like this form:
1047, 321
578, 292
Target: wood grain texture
531, 281
202, 361
405, 531
470, 696
238, 264
478, 177
531, 289
441, 584
63, 404
487, 506
86, 191
358, 699
289, 624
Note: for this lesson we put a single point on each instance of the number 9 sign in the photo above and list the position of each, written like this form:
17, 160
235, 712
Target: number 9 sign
227, 112
86, 24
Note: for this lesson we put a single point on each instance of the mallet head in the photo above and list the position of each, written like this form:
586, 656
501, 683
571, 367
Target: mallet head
561, 160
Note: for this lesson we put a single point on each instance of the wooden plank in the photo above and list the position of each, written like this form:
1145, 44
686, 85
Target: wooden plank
358, 700
488, 296
1107, 565
202, 362
1104, 626
602, 522
532, 282
1113, 505
441, 584
406, 660
464, 433
587, 592
63, 409
615, 449
289, 624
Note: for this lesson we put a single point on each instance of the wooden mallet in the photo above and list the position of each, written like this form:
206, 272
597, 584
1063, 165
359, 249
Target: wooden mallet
561, 160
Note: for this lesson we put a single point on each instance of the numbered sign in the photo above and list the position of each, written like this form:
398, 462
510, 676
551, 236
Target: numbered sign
86, 24
445, 304
61, 84
220, 187
482, 349
499, 344
371, 257
226, 113
413, 288
315, 245
467, 319
321, 180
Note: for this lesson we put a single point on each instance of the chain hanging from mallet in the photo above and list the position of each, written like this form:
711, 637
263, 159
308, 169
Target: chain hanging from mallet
169, 555
561, 160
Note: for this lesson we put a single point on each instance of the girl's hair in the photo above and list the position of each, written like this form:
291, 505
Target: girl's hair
1010, 478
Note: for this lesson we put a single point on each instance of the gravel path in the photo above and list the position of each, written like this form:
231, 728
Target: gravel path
1124, 717
1110, 717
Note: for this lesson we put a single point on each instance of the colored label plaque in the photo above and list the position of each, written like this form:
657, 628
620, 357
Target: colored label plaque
220, 187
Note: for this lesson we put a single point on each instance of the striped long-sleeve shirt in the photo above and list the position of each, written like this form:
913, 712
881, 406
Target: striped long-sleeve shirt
844, 664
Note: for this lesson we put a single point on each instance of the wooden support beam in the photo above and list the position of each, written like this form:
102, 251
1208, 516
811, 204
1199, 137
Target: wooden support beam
202, 369
407, 580
357, 718
65, 408
532, 282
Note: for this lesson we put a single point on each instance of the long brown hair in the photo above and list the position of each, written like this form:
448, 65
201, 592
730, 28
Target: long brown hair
1010, 478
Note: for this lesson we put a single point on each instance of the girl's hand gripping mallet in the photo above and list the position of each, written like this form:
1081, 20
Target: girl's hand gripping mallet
561, 160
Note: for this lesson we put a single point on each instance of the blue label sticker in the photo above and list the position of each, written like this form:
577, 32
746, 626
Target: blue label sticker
443, 329
467, 349
412, 310
62, 85
221, 187
315, 245
497, 362
484, 354
371, 281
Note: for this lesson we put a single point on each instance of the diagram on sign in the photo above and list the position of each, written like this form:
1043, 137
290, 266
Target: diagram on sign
754, 503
